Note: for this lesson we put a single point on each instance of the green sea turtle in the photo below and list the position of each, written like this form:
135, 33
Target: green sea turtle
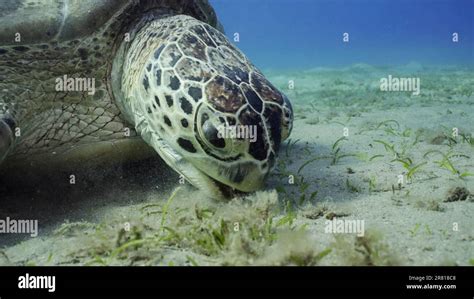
87, 76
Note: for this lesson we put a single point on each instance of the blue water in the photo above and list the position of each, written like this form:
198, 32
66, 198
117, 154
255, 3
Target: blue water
309, 33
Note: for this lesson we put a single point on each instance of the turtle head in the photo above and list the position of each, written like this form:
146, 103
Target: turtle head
240, 144
204, 107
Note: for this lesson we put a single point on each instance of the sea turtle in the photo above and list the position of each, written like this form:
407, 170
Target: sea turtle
82, 75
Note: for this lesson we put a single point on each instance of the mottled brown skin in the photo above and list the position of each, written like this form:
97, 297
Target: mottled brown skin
189, 73
79, 42
162, 72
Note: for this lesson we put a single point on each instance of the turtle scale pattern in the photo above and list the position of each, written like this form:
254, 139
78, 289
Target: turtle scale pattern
52, 121
178, 73
197, 69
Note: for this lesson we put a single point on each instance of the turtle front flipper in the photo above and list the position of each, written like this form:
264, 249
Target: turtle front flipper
7, 135
200, 103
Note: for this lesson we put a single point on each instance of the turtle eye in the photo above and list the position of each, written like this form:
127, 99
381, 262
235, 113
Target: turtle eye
211, 134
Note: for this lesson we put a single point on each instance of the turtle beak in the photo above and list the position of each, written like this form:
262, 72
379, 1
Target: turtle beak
226, 190
243, 176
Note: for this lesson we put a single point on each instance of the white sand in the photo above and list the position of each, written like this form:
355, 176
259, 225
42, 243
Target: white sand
405, 224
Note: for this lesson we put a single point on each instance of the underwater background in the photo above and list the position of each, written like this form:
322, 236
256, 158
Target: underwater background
308, 33
399, 164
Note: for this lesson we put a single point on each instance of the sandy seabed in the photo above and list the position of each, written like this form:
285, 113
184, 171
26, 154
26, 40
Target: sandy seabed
399, 163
